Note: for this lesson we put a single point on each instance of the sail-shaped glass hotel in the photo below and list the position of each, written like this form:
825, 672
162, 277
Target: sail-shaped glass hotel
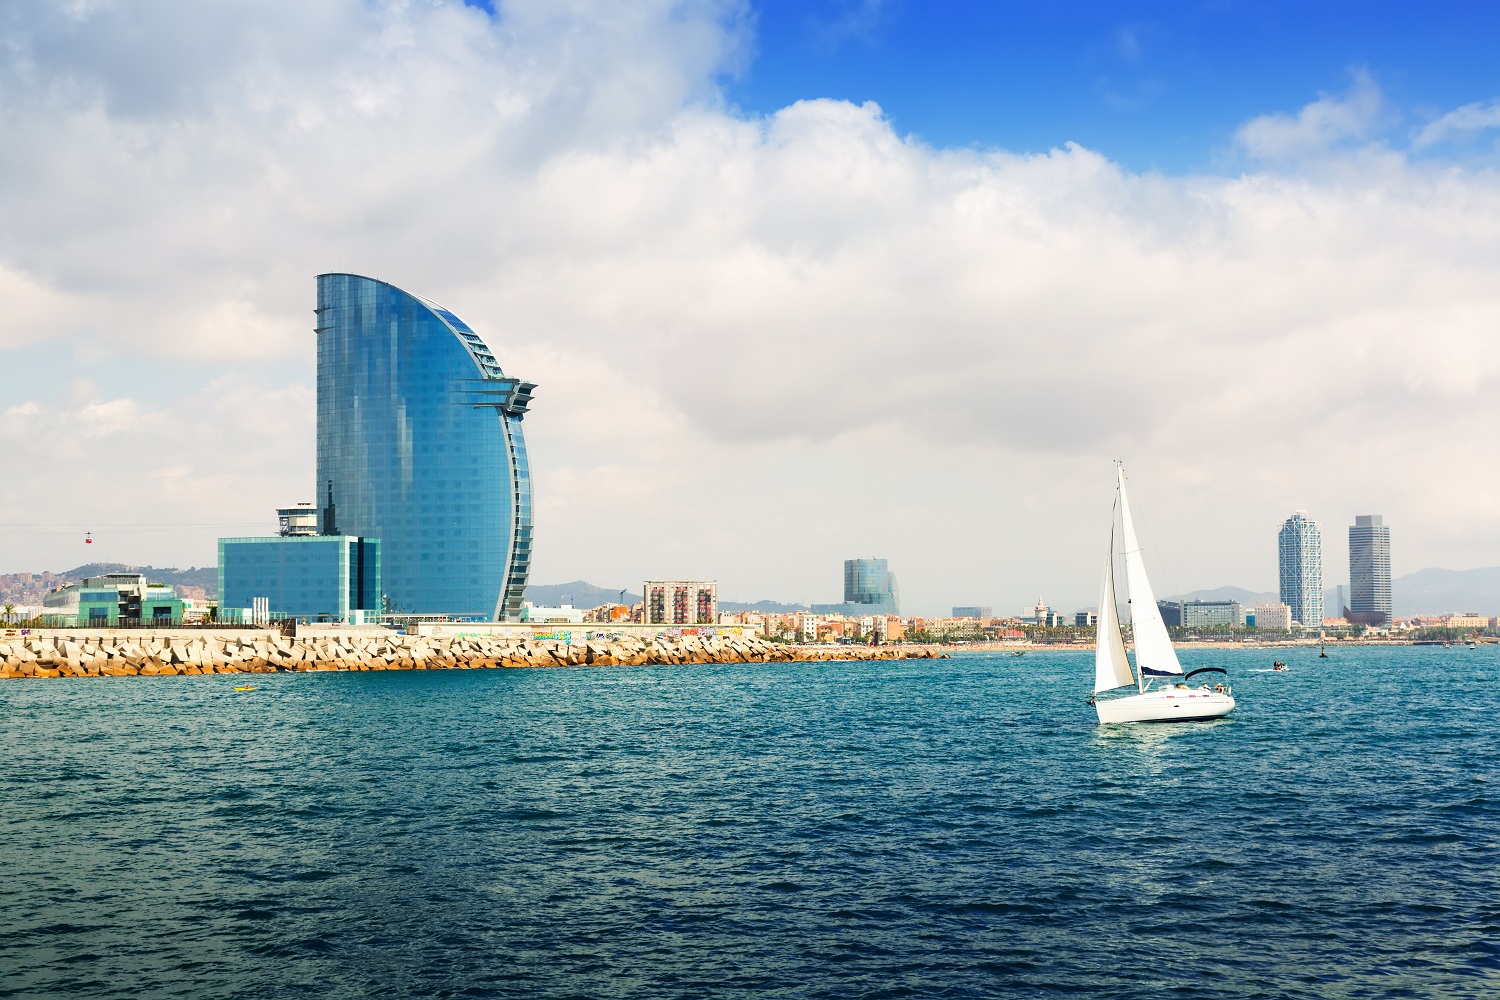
420, 446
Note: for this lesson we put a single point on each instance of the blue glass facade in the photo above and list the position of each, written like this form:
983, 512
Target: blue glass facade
315, 577
869, 581
869, 589
420, 445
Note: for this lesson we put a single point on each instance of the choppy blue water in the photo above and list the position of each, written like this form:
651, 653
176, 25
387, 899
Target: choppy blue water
941, 828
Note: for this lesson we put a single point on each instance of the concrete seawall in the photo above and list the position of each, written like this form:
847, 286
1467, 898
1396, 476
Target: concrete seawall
127, 654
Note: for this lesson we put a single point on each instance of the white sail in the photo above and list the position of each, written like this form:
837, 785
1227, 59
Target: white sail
1111, 667
1153, 650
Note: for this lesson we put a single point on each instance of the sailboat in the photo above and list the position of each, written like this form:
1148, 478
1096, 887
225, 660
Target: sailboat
1155, 659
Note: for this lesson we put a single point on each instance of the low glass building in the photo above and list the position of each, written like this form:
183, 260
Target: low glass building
308, 577
1212, 614
114, 599
420, 446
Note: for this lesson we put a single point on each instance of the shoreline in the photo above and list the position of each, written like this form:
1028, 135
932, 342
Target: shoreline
133, 654
1053, 647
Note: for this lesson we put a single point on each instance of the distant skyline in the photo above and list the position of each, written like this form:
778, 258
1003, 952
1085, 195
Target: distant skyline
1432, 590
796, 282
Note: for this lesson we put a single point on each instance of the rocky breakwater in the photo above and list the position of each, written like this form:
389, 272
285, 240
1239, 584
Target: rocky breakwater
125, 654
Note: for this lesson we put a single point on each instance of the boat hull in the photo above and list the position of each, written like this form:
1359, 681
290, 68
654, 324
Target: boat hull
1166, 705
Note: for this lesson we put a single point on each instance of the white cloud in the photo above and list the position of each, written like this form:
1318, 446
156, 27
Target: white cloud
764, 345
1459, 123
33, 312
850, 20
153, 480
1319, 126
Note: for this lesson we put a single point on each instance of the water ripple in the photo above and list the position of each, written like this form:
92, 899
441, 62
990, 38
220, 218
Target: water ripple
947, 828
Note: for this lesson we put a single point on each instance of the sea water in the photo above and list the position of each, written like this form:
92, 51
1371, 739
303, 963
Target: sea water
956, 827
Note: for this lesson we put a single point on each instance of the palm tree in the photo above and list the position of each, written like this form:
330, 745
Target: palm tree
9, 610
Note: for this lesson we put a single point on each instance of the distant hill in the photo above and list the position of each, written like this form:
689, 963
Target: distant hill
579, 594
582, 594
1425, 592
1435, 591
766, 607
28, 588
1249, 598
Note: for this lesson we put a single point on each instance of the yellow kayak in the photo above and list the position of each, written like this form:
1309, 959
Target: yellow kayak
244, 687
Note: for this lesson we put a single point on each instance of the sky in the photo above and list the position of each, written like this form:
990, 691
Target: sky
798, 282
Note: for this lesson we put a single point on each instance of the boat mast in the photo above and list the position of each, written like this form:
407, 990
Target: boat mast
1111, 664
1135, 635
1135, 645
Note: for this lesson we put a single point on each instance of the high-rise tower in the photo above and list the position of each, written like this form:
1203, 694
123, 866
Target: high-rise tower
1301, 549
1370, 570
420, 445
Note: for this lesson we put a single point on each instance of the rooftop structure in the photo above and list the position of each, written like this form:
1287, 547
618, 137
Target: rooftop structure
973, 611
420, 446
299, 520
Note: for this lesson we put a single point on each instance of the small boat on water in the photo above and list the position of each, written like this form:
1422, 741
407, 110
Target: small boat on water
1278, 665
1155, 659
243, 687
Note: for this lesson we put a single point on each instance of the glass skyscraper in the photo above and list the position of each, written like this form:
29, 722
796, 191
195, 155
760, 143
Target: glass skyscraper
869, 589
420, 446
1301, 547
1370, 570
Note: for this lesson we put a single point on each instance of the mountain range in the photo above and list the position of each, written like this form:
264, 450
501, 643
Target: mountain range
1426, 592
1434, 591
29, 588
1249, 598
581, 594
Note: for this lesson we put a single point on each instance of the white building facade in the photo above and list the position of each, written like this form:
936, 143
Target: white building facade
1274, 617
